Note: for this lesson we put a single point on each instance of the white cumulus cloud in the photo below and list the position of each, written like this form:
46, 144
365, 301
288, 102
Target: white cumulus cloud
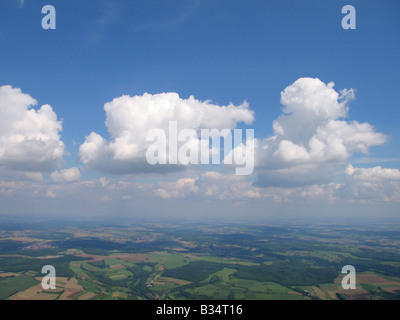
29, 138
311, 138
209, 185
129, 119
371, 184
177, 189
66, 175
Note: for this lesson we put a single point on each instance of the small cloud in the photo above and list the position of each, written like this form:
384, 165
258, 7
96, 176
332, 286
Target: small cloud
66, 175
105, 198
104, 181
50, 194
377, 174
34, 176
181, 188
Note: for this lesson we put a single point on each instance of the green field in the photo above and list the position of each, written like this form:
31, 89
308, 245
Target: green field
208, 262
11, 285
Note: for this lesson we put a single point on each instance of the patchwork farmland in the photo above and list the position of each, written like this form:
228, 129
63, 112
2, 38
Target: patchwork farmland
176, 261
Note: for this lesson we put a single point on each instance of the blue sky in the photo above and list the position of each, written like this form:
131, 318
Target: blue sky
223, 51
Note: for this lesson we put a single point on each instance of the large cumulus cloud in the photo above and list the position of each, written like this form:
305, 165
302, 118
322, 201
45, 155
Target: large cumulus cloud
129, 119
29, 138
312, 137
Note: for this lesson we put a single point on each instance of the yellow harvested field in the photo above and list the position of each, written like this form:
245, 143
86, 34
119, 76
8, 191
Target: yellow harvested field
36, 293
179, 249
127, 257
117, 266
22, 239
87, 296
188, 244
66, 289
162, 280
354, 294
388, 285
319, 293
71, 288
376, 280
8, 274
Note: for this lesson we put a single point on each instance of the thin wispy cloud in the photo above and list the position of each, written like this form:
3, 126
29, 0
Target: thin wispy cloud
169, 23
108, 16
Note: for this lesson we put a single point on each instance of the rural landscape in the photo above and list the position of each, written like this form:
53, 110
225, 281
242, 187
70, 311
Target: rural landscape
199, 158
230, 261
